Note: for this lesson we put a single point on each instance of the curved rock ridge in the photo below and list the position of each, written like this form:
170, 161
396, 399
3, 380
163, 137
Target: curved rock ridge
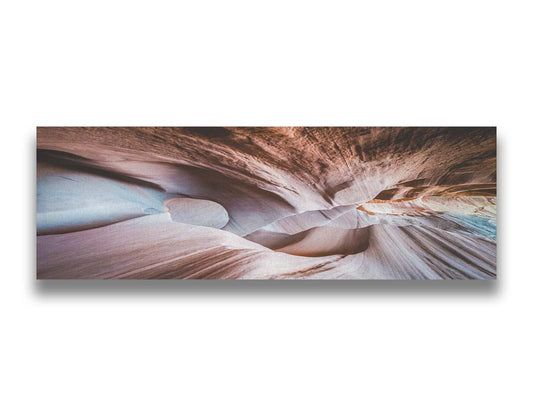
266, 203
156, 247
311, 243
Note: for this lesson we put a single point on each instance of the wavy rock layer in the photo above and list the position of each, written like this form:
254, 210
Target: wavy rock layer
266, 203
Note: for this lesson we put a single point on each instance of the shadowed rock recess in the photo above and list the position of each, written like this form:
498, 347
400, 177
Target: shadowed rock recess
266, 203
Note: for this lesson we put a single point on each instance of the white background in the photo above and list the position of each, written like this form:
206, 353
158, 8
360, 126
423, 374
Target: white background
270, 63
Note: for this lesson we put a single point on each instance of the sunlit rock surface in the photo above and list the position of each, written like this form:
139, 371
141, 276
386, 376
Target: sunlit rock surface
266, 203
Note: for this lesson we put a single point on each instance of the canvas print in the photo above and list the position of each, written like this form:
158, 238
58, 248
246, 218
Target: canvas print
314, 203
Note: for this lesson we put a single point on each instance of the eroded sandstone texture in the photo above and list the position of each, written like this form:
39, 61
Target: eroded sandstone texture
266, 203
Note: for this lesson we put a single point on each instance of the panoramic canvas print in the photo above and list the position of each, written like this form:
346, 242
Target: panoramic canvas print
266, 203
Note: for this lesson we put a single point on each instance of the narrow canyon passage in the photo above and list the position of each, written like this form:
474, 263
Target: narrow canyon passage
266, 203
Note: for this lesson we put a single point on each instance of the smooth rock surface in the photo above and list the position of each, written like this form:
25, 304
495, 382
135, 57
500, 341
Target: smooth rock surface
266, 203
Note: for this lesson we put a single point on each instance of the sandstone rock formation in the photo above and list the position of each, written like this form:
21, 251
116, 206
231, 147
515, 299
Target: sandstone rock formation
266, 203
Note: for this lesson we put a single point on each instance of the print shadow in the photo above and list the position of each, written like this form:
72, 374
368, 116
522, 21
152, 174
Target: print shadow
202, 288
